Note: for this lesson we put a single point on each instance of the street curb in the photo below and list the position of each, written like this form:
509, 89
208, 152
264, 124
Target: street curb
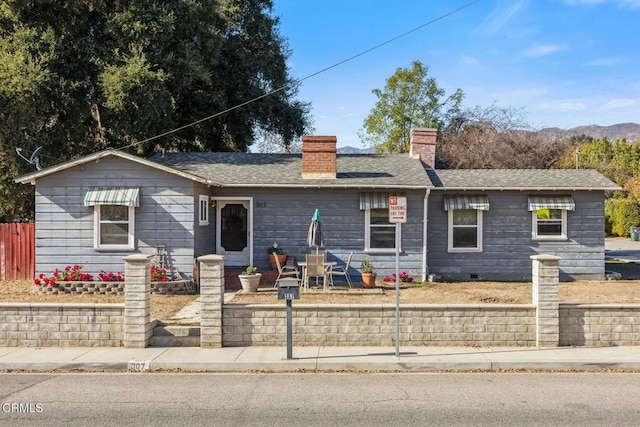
301, 365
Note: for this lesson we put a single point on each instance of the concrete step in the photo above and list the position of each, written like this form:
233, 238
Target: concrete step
165, 335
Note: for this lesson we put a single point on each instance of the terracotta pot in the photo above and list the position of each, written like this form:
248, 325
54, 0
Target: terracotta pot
282, 258
368, 280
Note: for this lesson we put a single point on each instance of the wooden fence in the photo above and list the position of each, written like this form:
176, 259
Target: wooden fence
17, 251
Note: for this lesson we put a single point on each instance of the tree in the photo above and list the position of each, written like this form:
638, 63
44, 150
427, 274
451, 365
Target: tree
496, 138
79, 76
410, 99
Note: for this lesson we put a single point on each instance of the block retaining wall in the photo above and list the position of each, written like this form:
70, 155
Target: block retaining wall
101, 325
599, 324
61, 325
374, 325
176, 287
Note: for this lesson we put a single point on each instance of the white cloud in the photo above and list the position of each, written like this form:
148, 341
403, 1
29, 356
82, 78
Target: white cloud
468, 60
625, 4
542, 50
501, 15
604, 62
562, 106
620, 103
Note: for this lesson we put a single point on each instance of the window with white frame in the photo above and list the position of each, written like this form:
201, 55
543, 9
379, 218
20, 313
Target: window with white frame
203, 210
465, 213
380, 234
549, 224
465, 230
549, 216
114, 227
113, 216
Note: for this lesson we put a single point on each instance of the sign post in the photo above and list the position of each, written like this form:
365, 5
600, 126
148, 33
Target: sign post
288, 290
397, 216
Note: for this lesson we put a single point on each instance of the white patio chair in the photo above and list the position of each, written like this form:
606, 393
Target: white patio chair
342, 270
287, 270
315, 267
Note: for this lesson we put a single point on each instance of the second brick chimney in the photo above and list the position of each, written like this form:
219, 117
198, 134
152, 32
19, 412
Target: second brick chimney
319, 157
423, 146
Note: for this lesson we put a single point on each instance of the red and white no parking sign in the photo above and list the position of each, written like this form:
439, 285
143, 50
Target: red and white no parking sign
397, 209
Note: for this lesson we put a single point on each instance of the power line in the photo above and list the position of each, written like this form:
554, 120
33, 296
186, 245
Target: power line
298, 81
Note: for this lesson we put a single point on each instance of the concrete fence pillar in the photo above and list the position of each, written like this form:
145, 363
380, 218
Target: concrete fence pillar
137, 291
545, 289
211, 300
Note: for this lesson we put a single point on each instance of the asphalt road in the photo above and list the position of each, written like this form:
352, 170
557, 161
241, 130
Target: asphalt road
169, 399
623, 249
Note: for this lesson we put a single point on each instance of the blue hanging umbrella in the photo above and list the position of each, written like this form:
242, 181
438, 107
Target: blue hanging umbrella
314, 237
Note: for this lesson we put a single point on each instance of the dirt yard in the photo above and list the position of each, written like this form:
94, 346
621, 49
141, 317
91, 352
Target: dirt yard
618, 291
163, 307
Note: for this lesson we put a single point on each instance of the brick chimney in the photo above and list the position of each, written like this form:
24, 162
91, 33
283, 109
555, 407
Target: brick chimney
319, 157
423, 146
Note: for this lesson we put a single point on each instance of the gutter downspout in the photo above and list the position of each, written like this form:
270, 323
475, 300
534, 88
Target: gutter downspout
425, 220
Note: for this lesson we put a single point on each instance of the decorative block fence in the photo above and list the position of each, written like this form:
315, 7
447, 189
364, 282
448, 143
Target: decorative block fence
61, 325
544, 323
175, 287
374, 325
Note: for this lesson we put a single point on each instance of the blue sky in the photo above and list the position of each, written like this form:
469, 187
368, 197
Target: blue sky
566, 63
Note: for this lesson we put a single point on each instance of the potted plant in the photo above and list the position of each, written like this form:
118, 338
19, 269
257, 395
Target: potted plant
275, 251
250, 279
368, 276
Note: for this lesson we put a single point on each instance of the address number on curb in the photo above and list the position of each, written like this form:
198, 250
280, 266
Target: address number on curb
139, 365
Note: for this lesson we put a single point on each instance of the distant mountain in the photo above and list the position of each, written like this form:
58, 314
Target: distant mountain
354, 150
342, 150
630, 131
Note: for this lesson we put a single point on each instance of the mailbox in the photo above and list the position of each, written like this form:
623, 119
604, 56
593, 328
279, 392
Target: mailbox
288, 289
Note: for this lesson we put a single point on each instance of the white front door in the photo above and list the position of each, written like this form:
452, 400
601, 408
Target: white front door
233, 231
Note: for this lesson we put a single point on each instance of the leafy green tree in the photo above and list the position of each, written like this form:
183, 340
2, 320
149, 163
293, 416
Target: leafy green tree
617, 160
409, 99
621, 213
79, 76
620, 162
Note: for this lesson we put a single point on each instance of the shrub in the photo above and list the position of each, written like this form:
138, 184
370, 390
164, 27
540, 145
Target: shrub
620, 215
110, 277
74, 274
404, 278
159, 274
69, 274
250, 271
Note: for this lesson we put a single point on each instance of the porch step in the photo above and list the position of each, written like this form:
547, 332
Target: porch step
166, 335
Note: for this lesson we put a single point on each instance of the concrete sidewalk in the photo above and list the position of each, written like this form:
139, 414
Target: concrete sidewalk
236, 359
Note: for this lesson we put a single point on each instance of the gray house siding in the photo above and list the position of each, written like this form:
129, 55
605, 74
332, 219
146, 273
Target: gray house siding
507, 242
204, 235
64, 227
284, 216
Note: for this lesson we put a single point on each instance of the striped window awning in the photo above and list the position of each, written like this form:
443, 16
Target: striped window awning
376, 200
454, 202
551, 202
124, 196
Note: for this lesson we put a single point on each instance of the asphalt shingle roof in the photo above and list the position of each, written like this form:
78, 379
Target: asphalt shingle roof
520, 179
285, 170
365, 171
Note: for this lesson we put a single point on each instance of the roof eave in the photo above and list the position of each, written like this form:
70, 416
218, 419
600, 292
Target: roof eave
444, 188
32, 177
321, 185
